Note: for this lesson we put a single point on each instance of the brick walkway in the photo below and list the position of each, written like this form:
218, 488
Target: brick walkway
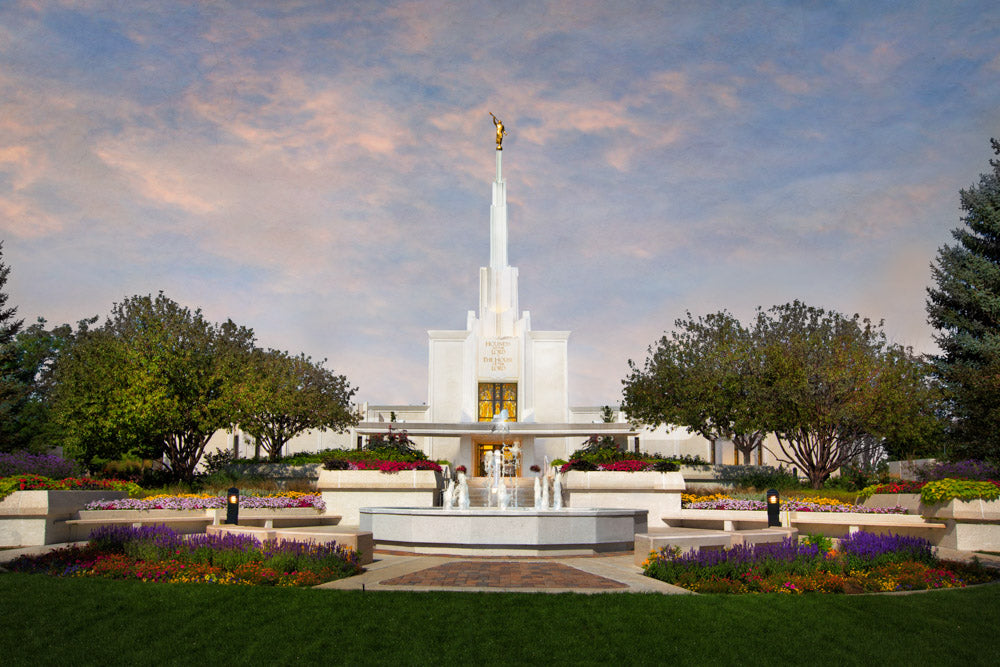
504, 574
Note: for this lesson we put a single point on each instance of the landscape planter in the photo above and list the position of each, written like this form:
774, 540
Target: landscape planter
960, 510
32, 518
345, 492
659, 493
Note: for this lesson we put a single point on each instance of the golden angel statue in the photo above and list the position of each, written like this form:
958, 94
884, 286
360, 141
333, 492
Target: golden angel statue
500, 131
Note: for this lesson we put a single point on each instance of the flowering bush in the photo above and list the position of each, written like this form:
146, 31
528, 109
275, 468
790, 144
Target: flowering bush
31, 482
904, 486
722, 502
192, 501
158, 554
46, 465
865, 563
334, 459
863, 549
395, 466
625, 465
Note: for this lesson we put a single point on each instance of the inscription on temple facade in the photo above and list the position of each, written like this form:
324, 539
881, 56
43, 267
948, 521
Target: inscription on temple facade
499, 358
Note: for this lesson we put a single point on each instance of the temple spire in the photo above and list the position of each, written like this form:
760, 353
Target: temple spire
498, 219
498, 281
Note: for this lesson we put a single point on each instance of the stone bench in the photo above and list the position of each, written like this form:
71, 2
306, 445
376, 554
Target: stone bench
347, 536
192, 521
834, 523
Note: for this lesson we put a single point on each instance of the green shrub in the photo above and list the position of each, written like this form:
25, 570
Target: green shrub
335, 459
943, 490
336, 464
823, 542
759, 477
216, 462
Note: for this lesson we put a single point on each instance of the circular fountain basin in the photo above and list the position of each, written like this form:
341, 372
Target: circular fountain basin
503, 532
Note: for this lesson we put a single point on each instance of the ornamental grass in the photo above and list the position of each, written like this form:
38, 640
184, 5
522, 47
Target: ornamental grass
863, 563
157, 554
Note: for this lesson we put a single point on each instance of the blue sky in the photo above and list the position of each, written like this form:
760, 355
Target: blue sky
321, 171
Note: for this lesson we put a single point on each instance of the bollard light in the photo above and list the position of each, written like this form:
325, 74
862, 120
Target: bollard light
773, 508
233, 506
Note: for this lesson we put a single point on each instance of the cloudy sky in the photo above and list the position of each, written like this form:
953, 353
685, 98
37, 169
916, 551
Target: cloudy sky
320, 171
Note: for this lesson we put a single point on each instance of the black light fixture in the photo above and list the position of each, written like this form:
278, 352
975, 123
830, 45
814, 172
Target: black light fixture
233, 506
773, 508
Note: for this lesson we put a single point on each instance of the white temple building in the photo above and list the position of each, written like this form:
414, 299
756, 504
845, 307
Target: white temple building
496, 364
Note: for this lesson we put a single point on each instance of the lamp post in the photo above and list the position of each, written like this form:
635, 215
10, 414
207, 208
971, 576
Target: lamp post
233, 506
773, 508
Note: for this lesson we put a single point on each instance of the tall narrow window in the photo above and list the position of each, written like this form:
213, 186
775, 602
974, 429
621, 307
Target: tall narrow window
495, 397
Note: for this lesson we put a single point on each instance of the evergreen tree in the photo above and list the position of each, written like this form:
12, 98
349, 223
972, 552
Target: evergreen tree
965, 309
12, 386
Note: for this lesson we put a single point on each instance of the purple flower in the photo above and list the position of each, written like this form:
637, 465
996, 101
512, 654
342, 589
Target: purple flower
46, 465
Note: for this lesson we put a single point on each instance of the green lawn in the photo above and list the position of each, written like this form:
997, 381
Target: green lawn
47, 620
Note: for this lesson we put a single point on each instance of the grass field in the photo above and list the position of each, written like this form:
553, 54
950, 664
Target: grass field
47, 620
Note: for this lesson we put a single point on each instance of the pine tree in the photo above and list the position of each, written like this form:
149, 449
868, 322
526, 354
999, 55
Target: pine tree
12, 387
965, 309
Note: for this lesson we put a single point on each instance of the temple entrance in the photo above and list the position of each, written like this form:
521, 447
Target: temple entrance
511, 465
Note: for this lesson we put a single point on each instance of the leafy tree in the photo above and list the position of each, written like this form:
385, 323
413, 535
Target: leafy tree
155, 375
834, 387
706, 376
12, 386
964, 307
36, 349
282, 396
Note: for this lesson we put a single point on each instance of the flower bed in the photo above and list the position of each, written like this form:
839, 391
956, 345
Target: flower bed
30, 482
864, 562
940, 490
394, 466
289, 499
723, 502
158, 554
626, 465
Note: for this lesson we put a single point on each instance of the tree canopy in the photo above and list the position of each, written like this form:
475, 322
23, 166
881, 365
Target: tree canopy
155, 375
281, 396
830, 387
964, 307
706, 376
835, 387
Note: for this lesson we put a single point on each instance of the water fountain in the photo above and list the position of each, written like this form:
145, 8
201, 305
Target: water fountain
499, 529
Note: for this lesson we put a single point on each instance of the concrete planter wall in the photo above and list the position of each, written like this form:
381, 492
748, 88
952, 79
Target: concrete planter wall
659, 493
345, 492
972, 525
908, 501
32, 518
